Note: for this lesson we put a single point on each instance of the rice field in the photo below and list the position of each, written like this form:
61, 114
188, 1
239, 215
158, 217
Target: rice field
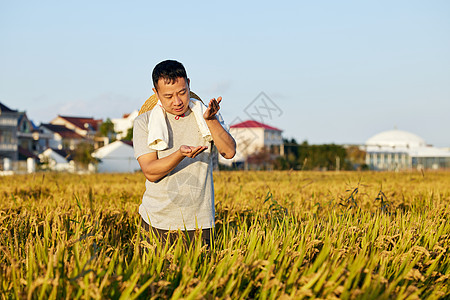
278, 235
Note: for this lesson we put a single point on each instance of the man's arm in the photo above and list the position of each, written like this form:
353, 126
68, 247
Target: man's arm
222, 139
154, 169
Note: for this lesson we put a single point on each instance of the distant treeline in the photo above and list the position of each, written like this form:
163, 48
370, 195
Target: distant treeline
313, 157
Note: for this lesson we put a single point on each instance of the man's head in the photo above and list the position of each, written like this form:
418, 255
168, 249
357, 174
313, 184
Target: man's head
171, 85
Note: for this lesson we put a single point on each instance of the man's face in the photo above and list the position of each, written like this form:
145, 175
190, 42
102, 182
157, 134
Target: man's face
174, 96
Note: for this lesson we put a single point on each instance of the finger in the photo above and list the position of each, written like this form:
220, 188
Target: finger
219, 99
198, 151
201, 151
216, 110
202, 148
215, 106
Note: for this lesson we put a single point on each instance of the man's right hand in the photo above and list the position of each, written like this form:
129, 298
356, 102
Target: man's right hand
191, 151
155, 168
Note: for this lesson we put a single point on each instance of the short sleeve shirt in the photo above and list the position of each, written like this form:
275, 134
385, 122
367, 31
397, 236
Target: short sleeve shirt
184, 198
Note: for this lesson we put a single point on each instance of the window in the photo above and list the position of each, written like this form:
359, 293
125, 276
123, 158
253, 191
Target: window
6, 137
25, 127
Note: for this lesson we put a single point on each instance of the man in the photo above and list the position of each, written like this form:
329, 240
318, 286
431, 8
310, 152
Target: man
174, 149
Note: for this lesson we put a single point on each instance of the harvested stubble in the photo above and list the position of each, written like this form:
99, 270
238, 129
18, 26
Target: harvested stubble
278, 235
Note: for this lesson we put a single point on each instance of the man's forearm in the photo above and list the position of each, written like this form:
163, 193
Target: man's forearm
222, 139
157, 169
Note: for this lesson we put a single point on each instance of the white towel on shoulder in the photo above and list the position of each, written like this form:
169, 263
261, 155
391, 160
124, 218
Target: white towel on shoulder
158, 133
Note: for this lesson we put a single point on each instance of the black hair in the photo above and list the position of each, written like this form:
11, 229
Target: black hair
169, 70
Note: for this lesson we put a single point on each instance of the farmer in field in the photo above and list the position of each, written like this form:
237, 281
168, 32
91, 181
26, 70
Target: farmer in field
173, 144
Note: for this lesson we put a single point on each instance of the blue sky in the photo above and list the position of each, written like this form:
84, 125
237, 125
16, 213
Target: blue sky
340, 71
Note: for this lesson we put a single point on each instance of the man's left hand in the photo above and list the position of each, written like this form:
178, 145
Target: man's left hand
213, 108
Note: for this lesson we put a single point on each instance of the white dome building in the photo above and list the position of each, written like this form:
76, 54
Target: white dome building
396, 138
398, 149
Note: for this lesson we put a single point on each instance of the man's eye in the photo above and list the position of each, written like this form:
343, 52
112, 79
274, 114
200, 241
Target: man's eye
182, 92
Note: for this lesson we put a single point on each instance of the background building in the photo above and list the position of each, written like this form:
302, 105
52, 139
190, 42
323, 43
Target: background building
122, 125
59, 137
254, 137
8, 138
400, 150
57, 160
117, 157
87, 127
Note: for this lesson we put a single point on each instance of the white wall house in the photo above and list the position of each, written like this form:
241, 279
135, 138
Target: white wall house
252, 136
121, 125
400, 150
117, 157
57, 160
84, 126
87, 127
59, 137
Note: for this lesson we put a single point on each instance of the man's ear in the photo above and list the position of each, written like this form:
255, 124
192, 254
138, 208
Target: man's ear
156, 92
189, 82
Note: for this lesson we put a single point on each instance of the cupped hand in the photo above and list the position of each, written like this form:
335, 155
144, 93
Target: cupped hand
213, 109
191, 151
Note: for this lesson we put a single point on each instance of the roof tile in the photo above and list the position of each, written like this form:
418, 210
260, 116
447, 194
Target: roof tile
254, 124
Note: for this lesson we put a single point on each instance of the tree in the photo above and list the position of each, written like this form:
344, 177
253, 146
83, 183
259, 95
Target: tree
357, 157
262, 158
312, 157
129, 136
107, 129
321, 157
83, 154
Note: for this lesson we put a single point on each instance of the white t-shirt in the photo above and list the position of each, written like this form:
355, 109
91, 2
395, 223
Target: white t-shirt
184, 198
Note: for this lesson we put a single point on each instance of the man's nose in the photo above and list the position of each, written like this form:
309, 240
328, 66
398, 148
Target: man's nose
178, 101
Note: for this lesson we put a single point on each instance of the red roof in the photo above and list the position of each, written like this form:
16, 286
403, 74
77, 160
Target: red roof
64, 132
81, 121
254, 124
